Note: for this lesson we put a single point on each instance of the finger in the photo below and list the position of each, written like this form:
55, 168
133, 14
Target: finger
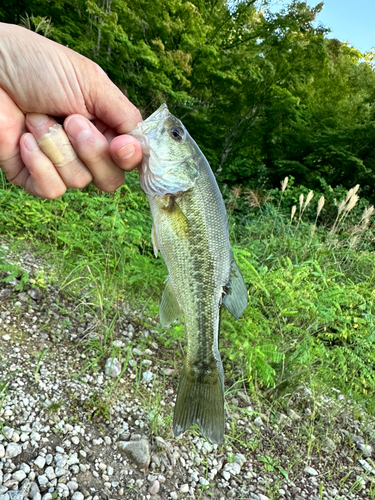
105, 101
93, 149
40, 178
108, 132
12, 126
55, 144
126, 152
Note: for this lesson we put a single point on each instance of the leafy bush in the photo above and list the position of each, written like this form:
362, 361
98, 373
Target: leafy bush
311, 313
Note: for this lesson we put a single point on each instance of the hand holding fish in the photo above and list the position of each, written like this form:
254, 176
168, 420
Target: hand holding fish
191, 231
41, 79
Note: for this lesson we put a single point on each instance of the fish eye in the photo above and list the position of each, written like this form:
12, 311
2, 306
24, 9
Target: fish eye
176, 133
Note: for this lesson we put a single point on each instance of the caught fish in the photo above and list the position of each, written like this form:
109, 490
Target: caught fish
190, 230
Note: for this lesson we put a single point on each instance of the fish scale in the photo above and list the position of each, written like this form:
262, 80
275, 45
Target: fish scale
190, 230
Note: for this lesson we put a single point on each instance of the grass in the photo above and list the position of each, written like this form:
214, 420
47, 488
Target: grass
307, 259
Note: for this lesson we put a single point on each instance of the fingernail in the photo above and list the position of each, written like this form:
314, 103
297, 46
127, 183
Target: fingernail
37, 120
78, 128
30, 143
126, 151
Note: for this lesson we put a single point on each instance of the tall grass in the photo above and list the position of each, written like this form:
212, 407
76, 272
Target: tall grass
311, 313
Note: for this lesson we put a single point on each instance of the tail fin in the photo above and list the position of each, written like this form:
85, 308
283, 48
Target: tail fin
200, 399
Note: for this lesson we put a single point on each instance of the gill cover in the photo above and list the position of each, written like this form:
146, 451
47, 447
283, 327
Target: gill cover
168, 165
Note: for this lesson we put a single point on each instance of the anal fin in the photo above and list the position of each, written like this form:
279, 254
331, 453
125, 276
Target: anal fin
169, 307
235, 299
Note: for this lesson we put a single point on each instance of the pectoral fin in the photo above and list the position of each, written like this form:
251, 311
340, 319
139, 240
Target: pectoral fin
169, 308
235, 299
154, 241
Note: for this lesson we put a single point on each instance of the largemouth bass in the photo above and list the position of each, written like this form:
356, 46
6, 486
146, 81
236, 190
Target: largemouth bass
190, 229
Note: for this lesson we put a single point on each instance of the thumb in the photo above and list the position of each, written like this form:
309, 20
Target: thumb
105, 101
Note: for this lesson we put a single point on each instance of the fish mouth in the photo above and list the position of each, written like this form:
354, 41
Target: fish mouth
151, 123
148, 127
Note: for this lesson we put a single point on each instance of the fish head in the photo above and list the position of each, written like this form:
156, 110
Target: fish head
169, 154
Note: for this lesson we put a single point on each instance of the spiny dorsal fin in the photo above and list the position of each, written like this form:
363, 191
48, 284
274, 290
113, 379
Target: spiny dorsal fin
169, 307
235, 299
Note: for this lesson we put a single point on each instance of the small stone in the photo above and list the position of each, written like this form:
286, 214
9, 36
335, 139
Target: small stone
154, 488
34, 489
203, 481
77, 496
184, 488
147, 376
137, 451
35, 436
328, 445
60, 471
19, 475
62, 490
15, 437
258, 422
25, 467
173, 495
13, 450
113, 367
75, 440
72, 485
50, 473
34, 294
239, 459
226, 475
42, 480
367, 466
366, 450
235, 468
2, 451
310, 471
207, 447
357, 440
40, 462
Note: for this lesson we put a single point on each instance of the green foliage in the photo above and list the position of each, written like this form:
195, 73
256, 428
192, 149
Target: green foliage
264, 94
10, 272
272, 464
104, 238
311, 313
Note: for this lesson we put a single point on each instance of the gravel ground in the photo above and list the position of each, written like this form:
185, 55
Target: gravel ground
87, 423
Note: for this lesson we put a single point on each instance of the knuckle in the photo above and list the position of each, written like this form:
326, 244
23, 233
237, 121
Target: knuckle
110, 185
80, 182
53, 192
96, 153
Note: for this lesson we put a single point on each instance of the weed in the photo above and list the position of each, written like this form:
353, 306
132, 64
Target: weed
272, 464
38, 363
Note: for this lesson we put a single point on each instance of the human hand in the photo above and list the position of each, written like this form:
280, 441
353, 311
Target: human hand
40, 79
